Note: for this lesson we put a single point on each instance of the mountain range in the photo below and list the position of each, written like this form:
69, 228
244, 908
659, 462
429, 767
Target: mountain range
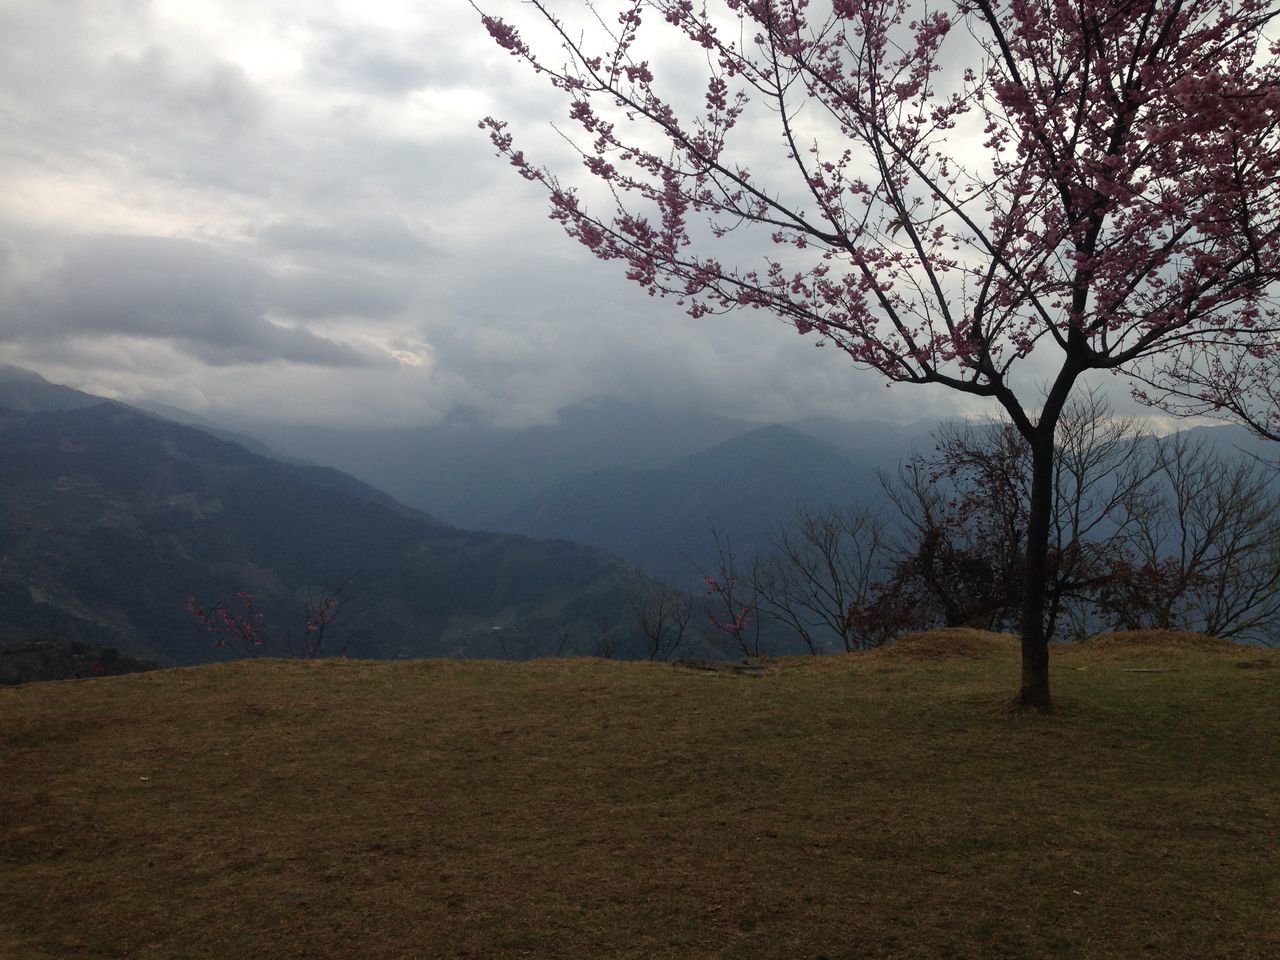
646, 483
475, 474
666, 519
114, 517
117, 515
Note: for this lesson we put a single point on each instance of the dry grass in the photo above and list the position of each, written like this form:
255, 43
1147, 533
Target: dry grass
843, 807
949, 643
1161, 639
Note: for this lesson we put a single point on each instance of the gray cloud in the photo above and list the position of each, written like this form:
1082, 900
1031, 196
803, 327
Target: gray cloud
213, 305
436, 51
314, 295
368, 238
8, 260
371, 62
217, 96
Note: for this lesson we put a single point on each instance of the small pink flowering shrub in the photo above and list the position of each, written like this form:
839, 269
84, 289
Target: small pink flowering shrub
241, 628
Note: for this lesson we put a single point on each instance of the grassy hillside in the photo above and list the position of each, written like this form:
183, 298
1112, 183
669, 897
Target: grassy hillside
883, 805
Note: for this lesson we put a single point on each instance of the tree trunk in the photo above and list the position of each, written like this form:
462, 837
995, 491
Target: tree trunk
1035, 643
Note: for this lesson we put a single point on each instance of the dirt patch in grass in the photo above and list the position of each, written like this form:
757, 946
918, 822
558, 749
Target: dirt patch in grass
950, 643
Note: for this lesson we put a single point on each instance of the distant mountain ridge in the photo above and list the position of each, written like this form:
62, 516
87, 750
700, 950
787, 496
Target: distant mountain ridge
661, 519
187, 418
467, 472
28, 392
475, 475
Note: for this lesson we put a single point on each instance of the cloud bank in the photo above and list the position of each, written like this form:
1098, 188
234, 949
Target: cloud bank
286, 206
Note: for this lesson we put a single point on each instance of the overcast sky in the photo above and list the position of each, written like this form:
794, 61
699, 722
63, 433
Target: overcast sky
286, 209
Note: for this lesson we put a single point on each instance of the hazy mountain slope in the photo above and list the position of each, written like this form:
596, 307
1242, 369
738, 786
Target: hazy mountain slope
870, 440
29, 392
25, 390
466, 471
660, 519
1233, 441
114, 517
187, 418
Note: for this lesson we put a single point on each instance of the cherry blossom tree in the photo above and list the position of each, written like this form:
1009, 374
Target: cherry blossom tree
996, 197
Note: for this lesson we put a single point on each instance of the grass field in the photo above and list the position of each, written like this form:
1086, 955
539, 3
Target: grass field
878, 805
